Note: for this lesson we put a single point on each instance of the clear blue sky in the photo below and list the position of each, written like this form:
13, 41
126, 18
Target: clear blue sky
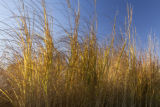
146, 14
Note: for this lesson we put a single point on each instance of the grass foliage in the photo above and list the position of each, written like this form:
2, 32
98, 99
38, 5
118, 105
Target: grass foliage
85, 74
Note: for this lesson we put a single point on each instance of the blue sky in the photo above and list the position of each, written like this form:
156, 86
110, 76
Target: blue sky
146, 14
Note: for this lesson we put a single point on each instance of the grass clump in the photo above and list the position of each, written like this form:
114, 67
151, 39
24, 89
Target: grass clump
89, 74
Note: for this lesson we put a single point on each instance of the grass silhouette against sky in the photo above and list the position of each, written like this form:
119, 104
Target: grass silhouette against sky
145, 14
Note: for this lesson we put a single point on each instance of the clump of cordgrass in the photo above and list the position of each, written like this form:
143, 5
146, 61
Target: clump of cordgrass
88, 74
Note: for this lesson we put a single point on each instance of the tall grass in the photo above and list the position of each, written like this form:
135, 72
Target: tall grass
89, 74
